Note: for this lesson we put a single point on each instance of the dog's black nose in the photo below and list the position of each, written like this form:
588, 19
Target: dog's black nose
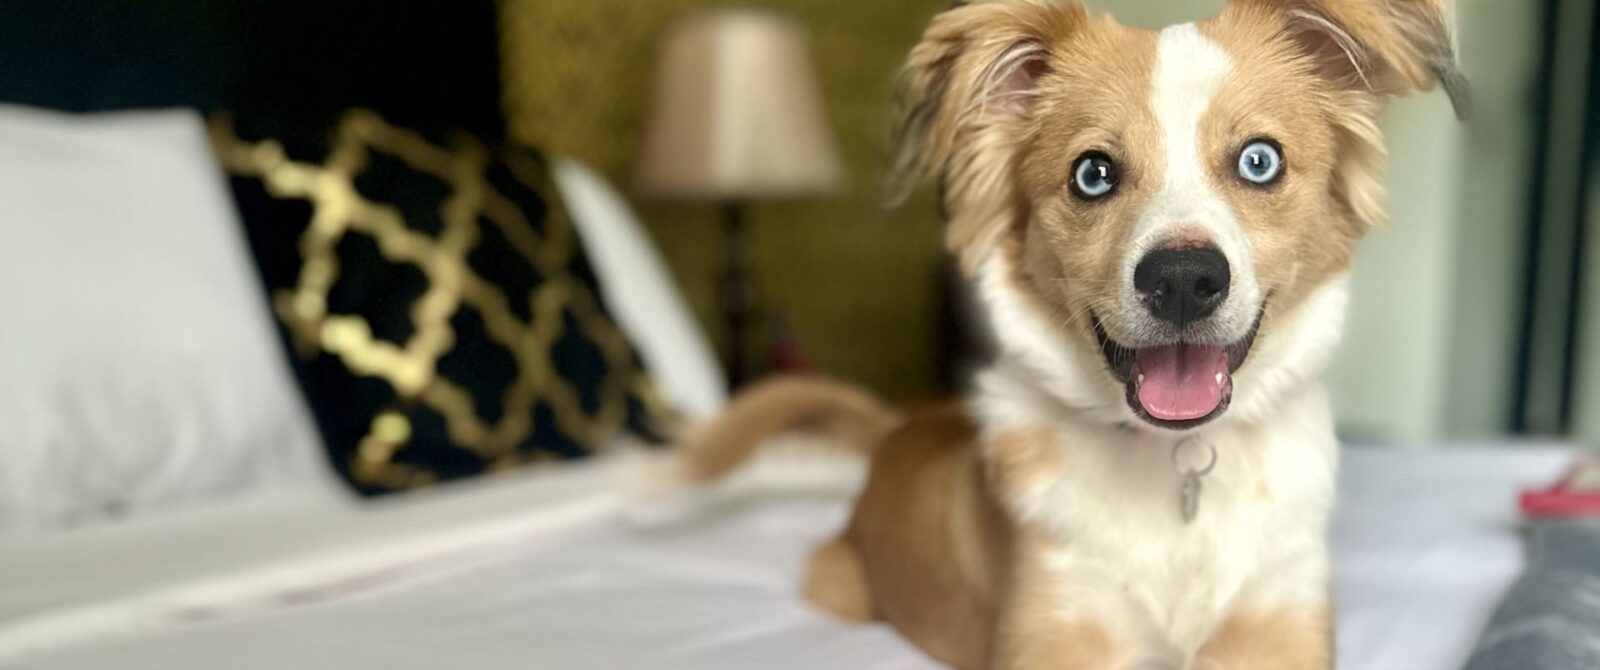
1181, 286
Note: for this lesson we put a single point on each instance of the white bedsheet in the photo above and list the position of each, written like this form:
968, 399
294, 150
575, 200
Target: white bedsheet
474, 577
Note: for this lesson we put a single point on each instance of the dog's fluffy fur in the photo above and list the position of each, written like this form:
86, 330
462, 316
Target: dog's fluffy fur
1037, 525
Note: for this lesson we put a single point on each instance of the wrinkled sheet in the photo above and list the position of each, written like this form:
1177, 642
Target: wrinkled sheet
557, 571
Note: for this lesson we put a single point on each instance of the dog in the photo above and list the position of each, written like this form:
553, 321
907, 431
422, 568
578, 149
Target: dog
1159, 226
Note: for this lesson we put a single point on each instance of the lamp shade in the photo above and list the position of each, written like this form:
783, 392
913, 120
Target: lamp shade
736, 113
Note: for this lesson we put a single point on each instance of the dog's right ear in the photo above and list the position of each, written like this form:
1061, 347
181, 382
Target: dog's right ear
1384, 47
963, 95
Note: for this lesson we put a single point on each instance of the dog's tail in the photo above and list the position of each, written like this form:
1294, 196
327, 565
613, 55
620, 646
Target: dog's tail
845, 414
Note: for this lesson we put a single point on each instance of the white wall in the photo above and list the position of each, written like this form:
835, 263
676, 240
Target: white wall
1586, 400
1389, 380
1500, 53
1436, 309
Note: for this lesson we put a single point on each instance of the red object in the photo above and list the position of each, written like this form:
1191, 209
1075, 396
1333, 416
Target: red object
1574, 495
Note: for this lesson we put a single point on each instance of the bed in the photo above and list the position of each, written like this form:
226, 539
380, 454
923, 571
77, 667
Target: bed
577, 568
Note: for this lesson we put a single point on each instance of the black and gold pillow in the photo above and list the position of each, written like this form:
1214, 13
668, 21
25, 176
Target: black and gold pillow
442, 315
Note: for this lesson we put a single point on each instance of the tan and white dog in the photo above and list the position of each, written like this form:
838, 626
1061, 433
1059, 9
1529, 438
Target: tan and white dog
1159, 225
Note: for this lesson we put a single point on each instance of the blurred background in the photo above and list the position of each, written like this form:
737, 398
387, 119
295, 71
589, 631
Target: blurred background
1468, 319
1467, 314
1474, 316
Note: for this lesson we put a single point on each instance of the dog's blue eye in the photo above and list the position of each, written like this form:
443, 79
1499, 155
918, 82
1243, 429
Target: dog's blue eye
1094, 176
1261, 162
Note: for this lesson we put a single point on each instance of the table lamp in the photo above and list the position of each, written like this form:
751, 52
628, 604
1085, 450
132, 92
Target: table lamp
736, 119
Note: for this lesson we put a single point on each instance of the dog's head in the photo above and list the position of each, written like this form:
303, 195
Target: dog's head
1162, 204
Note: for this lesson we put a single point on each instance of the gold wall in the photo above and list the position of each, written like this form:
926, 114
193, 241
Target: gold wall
859, 285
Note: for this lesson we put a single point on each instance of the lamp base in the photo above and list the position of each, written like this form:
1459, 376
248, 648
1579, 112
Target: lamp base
737, 294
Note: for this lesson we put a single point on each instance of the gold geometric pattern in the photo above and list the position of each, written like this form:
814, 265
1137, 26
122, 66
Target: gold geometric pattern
411, 367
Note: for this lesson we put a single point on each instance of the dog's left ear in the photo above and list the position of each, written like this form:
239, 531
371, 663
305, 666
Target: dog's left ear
1387, 47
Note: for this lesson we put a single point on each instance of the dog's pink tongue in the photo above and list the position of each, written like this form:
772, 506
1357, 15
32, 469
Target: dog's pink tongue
1180, 382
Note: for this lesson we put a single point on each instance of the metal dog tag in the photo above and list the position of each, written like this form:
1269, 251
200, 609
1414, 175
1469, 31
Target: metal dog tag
1189, 488
1189, 496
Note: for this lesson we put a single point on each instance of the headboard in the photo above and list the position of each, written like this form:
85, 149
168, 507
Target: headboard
422, 62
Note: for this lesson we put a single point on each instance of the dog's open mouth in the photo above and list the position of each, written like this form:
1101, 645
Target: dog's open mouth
1179, 385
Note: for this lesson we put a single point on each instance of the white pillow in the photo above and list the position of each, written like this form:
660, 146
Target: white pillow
640, 293
138, 364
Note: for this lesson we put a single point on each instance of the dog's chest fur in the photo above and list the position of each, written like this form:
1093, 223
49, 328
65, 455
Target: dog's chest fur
1104, 501
1104, 496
